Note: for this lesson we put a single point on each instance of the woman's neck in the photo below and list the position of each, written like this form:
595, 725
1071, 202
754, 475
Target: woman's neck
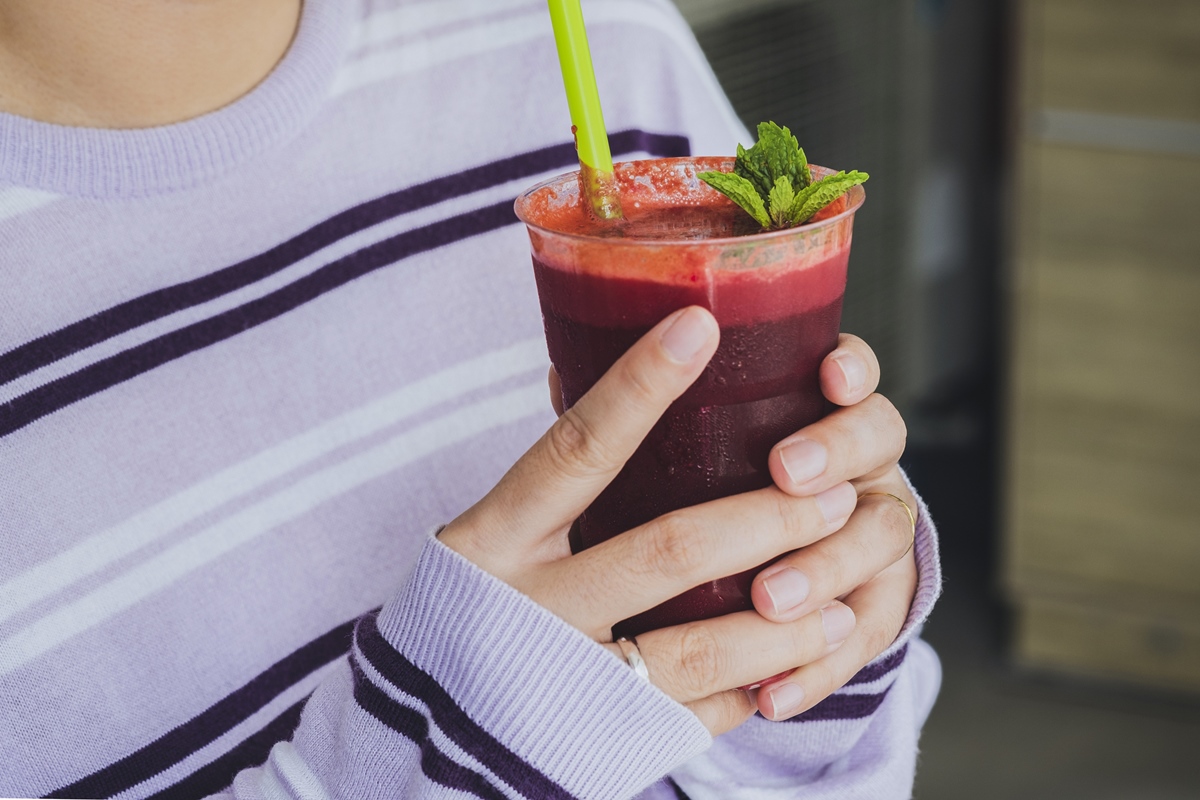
136, 63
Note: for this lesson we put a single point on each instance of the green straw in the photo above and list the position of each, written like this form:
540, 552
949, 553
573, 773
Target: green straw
579, 79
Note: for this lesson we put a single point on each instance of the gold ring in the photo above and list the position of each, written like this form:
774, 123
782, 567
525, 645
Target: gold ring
911, 516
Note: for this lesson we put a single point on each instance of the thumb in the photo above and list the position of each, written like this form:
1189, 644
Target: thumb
583, 451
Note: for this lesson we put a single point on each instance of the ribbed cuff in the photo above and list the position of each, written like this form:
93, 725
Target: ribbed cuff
929, 575
554, 697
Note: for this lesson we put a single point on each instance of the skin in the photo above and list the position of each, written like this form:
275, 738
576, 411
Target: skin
136, 63
143, 63
854, 547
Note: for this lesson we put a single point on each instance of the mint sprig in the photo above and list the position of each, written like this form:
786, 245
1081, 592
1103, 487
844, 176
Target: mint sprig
773, 183
740, 191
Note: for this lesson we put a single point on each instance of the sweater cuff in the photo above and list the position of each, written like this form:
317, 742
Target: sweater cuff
929, 576
533, 686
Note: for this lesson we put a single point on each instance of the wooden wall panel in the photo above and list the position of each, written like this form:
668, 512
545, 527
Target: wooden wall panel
1102, 543
1104, 643
1135, 57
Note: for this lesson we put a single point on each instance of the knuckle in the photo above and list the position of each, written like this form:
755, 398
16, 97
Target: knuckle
736, 708
702, 661
639, 384
574, 447
789, 516
821, 680
889, 424
878, 634
877, 629
897, 526
804, 641
675, 547
826, 568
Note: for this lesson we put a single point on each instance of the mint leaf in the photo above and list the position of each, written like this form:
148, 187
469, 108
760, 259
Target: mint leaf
780, 202
780, 148
822, 193
805, 175
752, 165
773, 183
740, 191
777, 154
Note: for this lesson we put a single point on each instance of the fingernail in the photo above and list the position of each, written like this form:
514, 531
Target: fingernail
687, 336
785, 699
838, 503
838, 622
804, 460
853, 370
787, 589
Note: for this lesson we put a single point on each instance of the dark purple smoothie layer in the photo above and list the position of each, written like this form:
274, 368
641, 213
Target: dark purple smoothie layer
760, 387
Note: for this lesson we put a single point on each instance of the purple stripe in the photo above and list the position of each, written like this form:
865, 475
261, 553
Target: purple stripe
216, 721
411, 724
137, 312
842, 707
251, 752
855, 706
680, 794
873, 672
109, 372
106, 373
461, 729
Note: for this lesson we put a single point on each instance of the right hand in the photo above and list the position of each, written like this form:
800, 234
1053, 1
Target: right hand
518, 533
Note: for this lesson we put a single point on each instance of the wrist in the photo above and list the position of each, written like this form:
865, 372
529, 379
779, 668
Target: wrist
522, 686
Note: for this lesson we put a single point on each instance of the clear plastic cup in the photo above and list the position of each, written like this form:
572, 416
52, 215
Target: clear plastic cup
777, 297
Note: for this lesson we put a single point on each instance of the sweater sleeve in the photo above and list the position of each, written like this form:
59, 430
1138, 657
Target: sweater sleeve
463, 687
860, 742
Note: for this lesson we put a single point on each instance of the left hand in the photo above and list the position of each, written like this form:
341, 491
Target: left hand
869, 564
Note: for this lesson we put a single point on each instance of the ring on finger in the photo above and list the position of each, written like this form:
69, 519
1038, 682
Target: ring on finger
912, 518
633, 656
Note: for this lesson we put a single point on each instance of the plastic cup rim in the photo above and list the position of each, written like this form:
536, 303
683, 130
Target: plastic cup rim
858, 196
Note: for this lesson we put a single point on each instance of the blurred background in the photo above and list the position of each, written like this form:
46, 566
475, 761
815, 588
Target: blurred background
1028, 269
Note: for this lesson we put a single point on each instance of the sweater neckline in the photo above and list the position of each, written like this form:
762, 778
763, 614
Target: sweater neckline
105, 163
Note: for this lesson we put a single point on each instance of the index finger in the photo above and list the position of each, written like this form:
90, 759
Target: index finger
583, 451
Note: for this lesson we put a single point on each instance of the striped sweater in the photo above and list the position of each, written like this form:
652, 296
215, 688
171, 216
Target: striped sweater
249, 361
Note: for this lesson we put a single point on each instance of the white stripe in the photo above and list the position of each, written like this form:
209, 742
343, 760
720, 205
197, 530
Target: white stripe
306, 266
200, 549
876, 686
270, 783
422, 54
18, 200
721, 773
198, 759
154, 523
427, 53
410, 20
1117, 132
385, 65
289, 777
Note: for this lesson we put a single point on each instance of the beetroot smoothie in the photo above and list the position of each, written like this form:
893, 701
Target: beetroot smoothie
777, 297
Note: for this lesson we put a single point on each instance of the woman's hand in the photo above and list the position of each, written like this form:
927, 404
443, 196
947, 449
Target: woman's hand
858, 564
519, 533
868, 564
